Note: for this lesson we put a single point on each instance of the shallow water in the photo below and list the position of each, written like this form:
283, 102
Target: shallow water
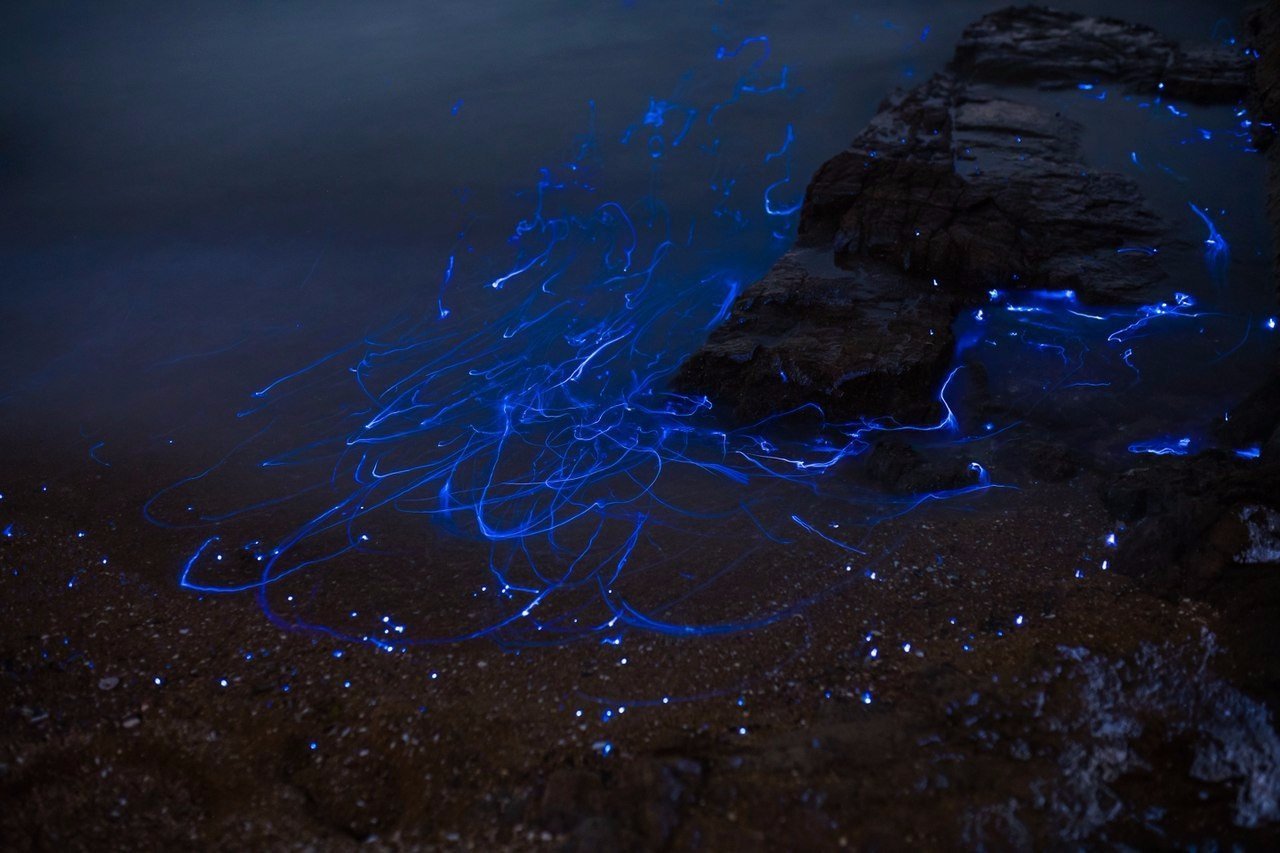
513, 225
219, 171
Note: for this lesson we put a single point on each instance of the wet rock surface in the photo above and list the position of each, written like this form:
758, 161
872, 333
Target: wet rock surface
988, 192
850, 343
1199, 525
1186, 534
1263, 27
956, 187
896, 466
1040, 46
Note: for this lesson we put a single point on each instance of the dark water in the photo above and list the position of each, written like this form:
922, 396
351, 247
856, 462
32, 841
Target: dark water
282, 119
188, 175
199, 204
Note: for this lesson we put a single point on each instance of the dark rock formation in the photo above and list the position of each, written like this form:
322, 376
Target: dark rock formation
865, 341
897, 467
987, 192
1032, 46
1264, 31
955, 187
1208, 526
1042, 460
1255, 421
1186, 517
1188, 514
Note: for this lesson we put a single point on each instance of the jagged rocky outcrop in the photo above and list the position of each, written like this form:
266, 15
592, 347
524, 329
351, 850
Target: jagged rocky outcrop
957, 186
986, 191
1188, 518
1190, 515
1028, 46
1208, 526
793, 338
1263, 26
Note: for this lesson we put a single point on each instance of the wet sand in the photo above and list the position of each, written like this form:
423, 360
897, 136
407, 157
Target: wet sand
795, 731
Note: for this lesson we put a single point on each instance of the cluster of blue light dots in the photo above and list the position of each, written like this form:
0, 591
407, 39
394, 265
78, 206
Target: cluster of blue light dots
545, 426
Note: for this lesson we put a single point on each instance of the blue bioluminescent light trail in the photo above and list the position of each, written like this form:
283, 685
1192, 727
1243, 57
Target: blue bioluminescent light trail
527, 416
